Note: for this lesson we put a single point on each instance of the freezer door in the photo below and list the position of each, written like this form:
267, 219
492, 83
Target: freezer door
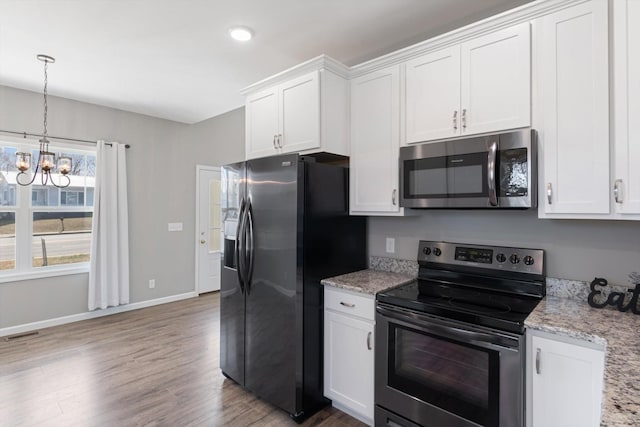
232, 299
273, 361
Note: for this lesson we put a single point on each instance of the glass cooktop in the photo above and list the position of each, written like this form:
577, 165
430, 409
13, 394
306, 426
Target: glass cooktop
479, 307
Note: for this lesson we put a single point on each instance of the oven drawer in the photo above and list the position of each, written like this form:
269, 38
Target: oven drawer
348, 302
385, 418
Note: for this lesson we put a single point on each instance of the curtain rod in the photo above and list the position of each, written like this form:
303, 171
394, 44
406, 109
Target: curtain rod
25, 134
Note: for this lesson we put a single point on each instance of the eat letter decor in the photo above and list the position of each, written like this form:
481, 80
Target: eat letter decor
615, 299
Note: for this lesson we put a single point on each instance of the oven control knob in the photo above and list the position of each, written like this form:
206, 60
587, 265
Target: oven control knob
528, 260
426, 251
437, 251
501, 257
514, 259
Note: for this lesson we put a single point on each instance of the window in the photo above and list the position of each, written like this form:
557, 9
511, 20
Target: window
44, 228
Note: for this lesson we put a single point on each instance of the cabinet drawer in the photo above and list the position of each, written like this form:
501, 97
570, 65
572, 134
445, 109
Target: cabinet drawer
347, 302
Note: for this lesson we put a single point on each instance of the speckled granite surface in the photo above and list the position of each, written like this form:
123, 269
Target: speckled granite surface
402, 266
368, 281
618, 332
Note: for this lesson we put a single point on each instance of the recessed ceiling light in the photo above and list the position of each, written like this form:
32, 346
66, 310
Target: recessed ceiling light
242, 34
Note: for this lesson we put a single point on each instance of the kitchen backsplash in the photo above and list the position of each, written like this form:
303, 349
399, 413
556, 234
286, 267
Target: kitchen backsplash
564, 288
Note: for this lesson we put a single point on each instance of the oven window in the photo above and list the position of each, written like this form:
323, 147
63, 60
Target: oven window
458, 176
456, 377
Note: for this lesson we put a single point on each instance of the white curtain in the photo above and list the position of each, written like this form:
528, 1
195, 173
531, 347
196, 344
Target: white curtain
109, 275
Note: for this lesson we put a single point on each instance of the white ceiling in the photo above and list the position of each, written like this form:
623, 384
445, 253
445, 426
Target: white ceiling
173, 58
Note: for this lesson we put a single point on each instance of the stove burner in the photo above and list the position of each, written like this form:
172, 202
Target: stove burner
495, 308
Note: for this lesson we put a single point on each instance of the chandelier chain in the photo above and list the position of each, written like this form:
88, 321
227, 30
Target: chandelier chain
46, 107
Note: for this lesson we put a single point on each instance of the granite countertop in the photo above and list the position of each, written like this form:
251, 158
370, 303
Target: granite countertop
369, 281
618, 333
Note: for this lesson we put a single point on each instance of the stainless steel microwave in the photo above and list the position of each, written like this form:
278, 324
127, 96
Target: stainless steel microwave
491, 171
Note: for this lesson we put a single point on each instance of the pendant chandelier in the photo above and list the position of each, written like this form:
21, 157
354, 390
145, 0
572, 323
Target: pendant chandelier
47, 163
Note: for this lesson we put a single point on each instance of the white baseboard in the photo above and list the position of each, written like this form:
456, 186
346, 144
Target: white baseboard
28, 327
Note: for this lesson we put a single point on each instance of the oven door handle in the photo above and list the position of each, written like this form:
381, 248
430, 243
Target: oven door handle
497, 340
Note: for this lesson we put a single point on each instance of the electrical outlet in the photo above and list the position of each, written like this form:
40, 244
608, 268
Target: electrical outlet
391, 245
174, 226
152, 283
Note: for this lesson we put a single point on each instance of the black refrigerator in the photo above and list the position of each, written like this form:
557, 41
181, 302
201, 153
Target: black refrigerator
286, 226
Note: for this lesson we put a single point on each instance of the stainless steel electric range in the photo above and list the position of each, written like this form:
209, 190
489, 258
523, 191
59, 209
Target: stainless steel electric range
450, 345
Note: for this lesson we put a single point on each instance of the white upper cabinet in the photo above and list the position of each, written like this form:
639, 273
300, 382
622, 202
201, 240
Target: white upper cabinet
299, 111
375, 141
573, 129
626, 53
496, 81
482, 85
433, 96
261, 119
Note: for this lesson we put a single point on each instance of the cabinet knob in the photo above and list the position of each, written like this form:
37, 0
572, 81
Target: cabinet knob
617, 191
346, 304
369, 341
274, 142
393, 196
280, 140
464, 118
455, 120
538, 361
202, 242
549, 193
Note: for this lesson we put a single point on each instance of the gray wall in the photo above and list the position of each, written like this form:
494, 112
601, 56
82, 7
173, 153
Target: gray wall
575, 249
161, 173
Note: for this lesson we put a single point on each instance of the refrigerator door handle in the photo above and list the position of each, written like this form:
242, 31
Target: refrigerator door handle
239, 245
249, 249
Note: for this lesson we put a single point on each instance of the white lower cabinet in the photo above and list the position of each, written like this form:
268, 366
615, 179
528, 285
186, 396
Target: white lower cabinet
348, 352
564, 382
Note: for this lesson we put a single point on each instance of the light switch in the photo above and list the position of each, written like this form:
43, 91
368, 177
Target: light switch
175, 226
391, 245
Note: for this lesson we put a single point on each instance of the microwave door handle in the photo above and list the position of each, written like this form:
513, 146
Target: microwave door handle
491, 173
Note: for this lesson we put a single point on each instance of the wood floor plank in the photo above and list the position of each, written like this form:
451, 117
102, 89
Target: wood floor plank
158, 366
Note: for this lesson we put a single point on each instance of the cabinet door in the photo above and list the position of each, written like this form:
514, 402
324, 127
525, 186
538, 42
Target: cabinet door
300, 112
627, 109
261, 123
574, 101
433, 96
348, 362
566, 384
375, 138
496, 81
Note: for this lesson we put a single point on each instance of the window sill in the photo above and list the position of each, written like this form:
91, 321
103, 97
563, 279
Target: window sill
48, 272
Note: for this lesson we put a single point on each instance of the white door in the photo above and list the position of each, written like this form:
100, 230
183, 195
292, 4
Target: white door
208, 232
496, 81
375, 140
627, 109
300, 112
433, 96
574, 102
349, 362
261, 111
566, 384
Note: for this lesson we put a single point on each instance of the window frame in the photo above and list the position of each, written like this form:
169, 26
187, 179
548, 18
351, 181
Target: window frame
24, 210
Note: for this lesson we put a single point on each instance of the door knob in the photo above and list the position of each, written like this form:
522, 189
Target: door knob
203, 241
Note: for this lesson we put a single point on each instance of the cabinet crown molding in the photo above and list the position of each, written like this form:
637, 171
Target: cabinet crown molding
491, 24
318, 63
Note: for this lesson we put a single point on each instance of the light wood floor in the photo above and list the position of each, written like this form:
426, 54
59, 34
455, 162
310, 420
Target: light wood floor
157, 366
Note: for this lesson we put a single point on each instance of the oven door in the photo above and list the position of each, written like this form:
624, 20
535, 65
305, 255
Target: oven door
438, 372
